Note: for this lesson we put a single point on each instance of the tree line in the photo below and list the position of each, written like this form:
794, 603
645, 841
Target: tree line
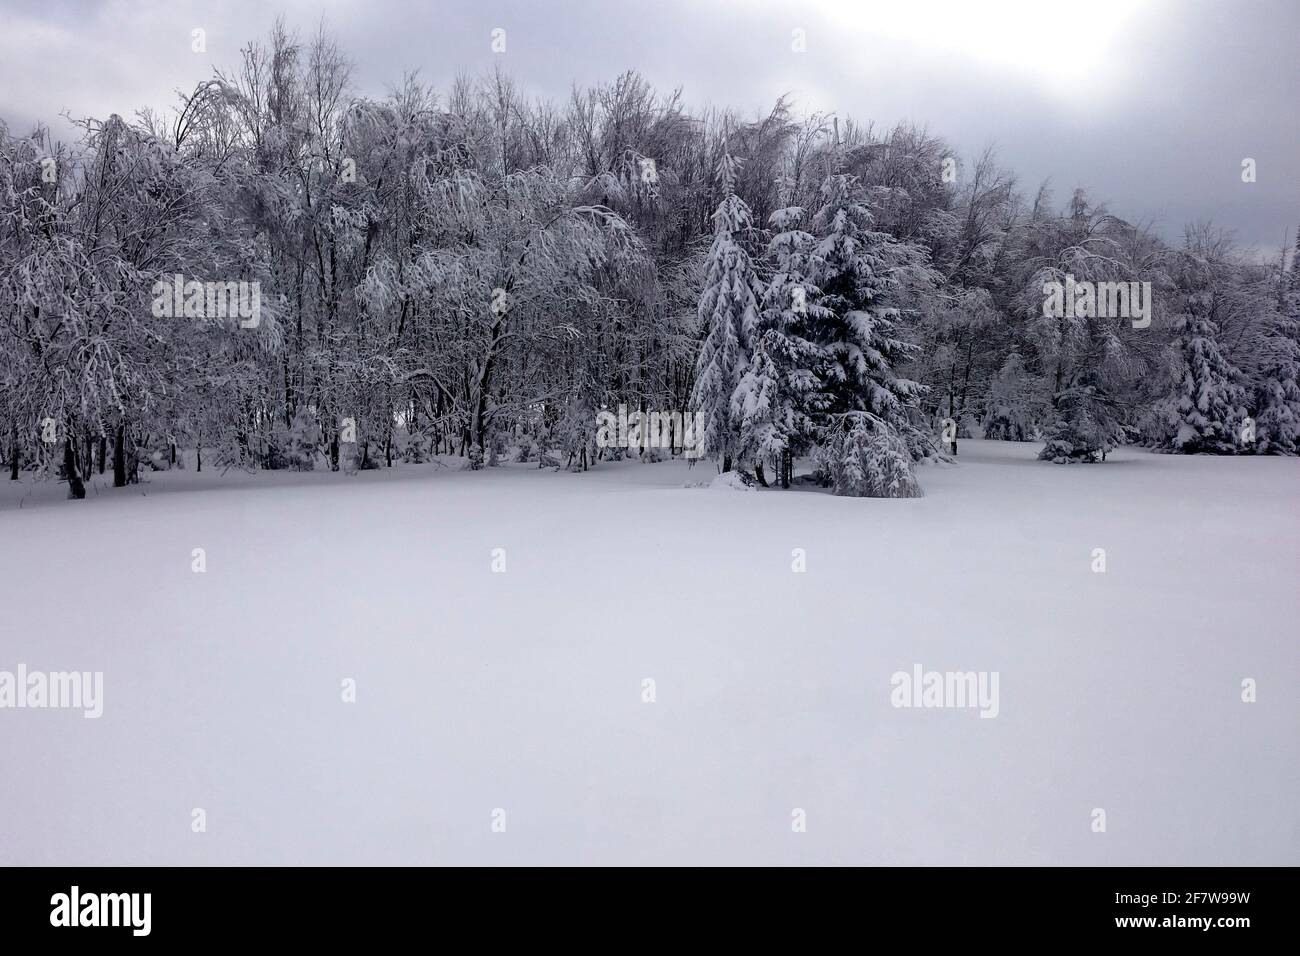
474, 272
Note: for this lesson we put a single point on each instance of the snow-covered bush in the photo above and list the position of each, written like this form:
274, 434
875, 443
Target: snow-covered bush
415, 448
734, 481
865, 457
299, 442
527, 449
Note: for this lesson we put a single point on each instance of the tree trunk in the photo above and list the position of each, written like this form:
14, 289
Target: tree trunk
103, 452
758, 473
119, 457
726, 463
76, 488
13, 454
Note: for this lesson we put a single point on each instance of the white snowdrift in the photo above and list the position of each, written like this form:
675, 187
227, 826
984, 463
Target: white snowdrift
523, 690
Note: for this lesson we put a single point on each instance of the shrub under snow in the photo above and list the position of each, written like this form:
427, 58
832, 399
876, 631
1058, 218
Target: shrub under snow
866, 458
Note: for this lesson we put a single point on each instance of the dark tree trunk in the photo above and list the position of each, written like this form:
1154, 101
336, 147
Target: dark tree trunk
119, 457
758, 473
726, 463
76, 488
103, 452
13, 454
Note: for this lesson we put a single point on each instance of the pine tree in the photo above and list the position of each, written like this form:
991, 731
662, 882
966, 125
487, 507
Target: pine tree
1087, 423
728, 313
777, 395
845, 270
852, 266
1205, 412
1011, 411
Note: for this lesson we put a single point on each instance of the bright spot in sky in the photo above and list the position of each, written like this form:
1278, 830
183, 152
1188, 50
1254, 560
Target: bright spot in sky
1068, 46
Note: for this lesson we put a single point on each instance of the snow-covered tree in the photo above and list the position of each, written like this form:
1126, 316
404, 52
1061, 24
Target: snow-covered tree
1014, 402
1205, 412
779, 396
852, 267
849, 342
1277, 396
728, 314
864, 456
1087, 423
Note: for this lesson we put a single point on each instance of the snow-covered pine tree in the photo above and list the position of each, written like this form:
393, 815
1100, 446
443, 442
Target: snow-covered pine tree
1012, 407
1087, 422
1277, 398
1205, 411
851, 265
778, 394
846, 269
728, 313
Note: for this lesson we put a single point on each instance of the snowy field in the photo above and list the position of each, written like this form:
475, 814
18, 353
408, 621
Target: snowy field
523, 690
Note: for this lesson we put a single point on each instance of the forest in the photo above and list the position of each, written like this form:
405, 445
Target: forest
476, 273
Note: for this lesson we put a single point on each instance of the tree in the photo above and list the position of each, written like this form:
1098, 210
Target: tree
865, 457
1086, 425
1277, 394
728, 314
1205, 412
853, 269
845, 272
1013, 405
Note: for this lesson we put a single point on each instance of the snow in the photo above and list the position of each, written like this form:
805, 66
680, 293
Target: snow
522, 690
730, 481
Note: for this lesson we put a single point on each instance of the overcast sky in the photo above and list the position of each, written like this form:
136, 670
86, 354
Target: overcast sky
1151, 105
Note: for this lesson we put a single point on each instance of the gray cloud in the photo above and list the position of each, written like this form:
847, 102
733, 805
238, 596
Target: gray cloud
1151, 106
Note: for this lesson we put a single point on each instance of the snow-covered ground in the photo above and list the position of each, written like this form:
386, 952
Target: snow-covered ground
523, 691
